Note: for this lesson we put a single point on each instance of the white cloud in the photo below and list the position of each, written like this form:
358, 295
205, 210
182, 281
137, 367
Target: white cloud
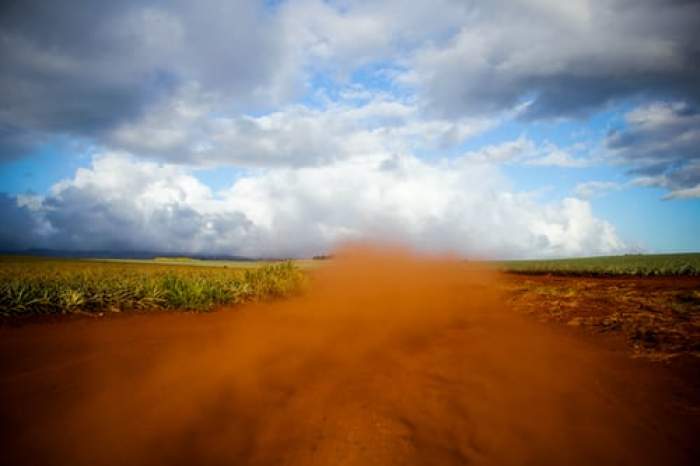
187, 130
685, 193
468, 208
83, 74
340, 36
194, 85
591, 189
525, 151
550, 155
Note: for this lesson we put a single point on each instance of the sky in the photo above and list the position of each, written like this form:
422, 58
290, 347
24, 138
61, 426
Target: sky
502, 129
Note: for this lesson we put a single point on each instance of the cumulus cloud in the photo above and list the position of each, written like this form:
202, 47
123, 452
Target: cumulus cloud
110, 73
661, 146
121, 203
340, 36
84, 67
182, 130
325, 106
561, 58
187, 82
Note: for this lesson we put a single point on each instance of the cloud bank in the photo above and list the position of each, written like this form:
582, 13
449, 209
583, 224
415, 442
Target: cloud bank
347, 119
83, 68
561, 58
451, 206
108, 72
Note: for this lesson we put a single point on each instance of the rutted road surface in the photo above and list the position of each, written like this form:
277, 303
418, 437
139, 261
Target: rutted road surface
387, 360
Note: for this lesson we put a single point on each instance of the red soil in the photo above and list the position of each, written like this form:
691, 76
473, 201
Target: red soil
388, 360
659, 318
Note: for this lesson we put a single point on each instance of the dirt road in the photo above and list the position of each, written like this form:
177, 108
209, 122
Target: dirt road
388, 360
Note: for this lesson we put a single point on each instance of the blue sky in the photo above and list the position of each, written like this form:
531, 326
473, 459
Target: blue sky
286, 128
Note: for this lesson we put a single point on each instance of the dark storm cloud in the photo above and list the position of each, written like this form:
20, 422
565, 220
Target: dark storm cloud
81, 67
16, 141
87, 69
83, 219
18, 226
661, 145
65, 69
563, 58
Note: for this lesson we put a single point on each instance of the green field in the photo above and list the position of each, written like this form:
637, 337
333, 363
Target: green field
236, 264
637, 265
33, 286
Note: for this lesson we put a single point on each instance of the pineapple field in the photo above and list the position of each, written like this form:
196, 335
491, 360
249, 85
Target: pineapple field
31, 286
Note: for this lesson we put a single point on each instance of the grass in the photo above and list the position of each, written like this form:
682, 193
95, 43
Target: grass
636, 265
35, 286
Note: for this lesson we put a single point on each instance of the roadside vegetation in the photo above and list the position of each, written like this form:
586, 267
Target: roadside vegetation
635, 265
36, 286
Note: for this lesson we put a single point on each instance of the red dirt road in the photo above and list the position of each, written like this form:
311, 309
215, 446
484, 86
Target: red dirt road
388, 360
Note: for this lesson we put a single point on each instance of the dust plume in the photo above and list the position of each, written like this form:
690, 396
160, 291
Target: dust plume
388, 358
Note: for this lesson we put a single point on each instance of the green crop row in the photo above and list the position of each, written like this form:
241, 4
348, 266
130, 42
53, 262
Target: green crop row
29, 287
638, 265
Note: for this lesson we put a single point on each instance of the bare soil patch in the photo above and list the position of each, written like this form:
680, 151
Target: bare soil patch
659, 317
389, 360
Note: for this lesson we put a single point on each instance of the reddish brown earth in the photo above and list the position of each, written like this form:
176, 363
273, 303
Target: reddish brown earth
388, 360
658, 317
